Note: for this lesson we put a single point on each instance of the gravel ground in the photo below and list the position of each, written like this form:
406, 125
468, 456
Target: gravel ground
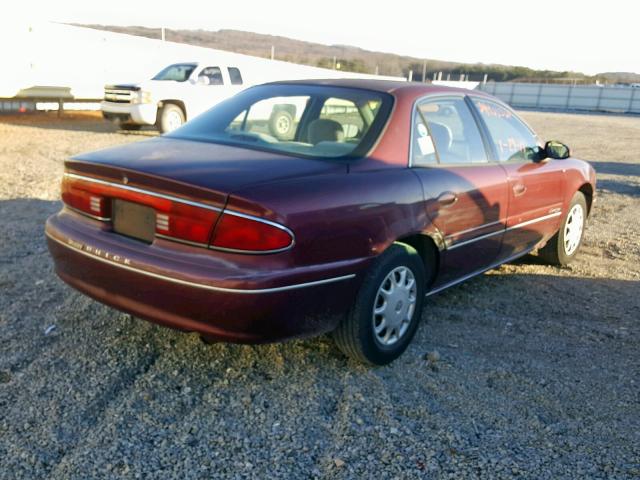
528, 371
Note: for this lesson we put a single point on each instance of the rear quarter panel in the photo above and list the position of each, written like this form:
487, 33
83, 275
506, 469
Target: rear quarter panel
340, 217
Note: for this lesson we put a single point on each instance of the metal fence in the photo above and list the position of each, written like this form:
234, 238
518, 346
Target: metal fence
590, 98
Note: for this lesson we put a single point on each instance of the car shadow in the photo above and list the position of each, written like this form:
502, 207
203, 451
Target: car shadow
619, 186
617, 168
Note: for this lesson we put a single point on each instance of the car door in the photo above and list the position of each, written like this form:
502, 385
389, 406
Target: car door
465, 193
535, 186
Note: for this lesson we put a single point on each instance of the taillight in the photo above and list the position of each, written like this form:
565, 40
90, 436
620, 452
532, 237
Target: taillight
182, 221
239, 233
175, 218
84, 200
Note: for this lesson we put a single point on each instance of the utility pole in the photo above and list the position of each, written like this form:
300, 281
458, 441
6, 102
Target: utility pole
410, 75
162, 33
424, 71
377, 70
273, 52
334, 62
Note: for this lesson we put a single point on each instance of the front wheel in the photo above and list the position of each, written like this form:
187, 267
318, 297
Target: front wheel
564, 245
387, 309
171, 117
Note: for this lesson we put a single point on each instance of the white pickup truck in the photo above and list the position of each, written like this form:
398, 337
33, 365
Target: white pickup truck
177, 93
184, 90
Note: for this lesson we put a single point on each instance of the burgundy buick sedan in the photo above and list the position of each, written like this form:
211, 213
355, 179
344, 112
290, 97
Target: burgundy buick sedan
298, 208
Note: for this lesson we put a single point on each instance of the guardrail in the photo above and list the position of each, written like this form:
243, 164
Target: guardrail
30, 104
591, 98
26, 99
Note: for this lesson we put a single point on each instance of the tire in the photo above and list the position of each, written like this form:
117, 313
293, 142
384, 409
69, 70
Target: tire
281, 125
356, 335
171, 117
565, 244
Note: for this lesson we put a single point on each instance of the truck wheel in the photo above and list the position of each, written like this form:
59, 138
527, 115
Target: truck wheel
387, 309
281, 125
171, 117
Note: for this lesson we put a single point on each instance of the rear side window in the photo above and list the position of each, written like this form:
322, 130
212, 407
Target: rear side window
211, 76
445, 132
235, 76
512, 139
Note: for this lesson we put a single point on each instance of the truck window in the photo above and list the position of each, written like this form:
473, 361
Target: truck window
235, 76
212, 74
179, 72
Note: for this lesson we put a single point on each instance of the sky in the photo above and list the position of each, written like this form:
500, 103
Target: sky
585, 36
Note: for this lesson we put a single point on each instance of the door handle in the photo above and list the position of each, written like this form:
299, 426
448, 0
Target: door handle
519, 189
446, 199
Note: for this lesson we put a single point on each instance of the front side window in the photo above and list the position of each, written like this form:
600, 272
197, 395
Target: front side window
179, 72
512, 139
235, 76
445, 132
211, 76
309, 120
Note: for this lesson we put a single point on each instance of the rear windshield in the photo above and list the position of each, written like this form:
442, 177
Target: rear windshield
309, 120
179, 72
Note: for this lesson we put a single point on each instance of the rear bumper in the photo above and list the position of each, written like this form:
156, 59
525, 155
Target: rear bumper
141, 114
197, 290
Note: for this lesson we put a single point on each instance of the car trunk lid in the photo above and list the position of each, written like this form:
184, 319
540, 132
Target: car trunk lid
215, 168
176, 189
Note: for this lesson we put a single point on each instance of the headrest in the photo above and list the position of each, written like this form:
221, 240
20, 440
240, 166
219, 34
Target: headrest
324, 130
441, 135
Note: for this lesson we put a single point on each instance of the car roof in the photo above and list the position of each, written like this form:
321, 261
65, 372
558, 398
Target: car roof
386, 86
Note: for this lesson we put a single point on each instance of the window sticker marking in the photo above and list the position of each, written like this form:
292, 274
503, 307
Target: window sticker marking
493, 111
426, 144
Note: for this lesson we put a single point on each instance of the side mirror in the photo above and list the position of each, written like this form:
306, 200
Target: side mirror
556, 150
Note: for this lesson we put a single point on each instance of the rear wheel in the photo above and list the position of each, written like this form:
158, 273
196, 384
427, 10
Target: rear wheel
387, 309
171, 117
564, 245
